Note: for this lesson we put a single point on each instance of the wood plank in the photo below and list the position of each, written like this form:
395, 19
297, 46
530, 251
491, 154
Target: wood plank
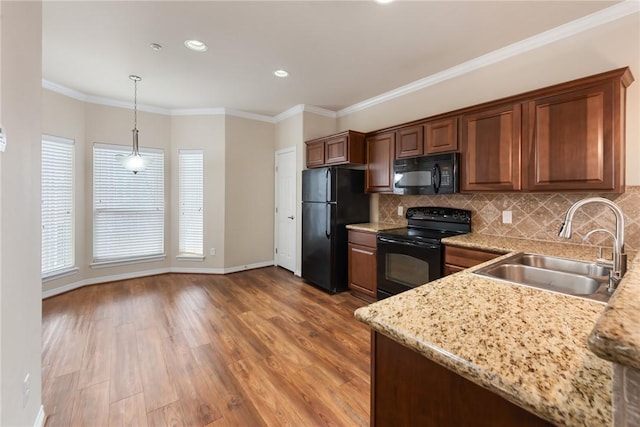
198, 403
157, 383
128, 412
96, 359
166, 416
125, 372
91, 407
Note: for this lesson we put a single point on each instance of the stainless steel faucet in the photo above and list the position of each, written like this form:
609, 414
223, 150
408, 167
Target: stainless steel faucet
619, 262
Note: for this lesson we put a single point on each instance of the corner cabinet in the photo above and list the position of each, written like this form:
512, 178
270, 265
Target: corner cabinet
380, 152
362, 265
574, 140
339, 149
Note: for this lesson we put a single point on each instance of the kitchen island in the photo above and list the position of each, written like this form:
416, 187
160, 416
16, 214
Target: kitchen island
528, 346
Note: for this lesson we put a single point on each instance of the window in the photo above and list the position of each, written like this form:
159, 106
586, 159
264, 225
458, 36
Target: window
57, 207
128, 208
191, 204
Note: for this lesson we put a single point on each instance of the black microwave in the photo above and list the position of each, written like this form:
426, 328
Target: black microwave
436, 174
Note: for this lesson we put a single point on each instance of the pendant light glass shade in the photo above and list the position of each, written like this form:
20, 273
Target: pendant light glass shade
134, 161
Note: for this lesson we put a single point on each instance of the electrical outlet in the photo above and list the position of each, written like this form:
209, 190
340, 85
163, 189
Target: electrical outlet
506, 217
212, 251
26, 391
400, 210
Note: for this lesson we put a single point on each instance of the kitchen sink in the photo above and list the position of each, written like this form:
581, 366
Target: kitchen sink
562, 264
551, 273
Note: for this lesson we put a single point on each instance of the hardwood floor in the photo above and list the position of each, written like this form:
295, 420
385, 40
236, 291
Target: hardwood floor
255, 348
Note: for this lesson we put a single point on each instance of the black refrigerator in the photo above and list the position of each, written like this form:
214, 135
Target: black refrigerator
331, 198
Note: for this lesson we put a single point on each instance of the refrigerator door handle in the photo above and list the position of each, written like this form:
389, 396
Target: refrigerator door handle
327, 220
327, 185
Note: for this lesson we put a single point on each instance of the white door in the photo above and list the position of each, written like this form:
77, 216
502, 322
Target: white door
285, 233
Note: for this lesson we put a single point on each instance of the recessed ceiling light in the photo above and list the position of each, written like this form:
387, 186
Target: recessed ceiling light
155, 46
196, 45
383, 1
280, 73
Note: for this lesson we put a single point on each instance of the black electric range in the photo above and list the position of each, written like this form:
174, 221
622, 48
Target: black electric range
412, 256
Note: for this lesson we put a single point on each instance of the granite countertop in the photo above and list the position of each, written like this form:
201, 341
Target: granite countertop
527, 345
373, 227
616, 334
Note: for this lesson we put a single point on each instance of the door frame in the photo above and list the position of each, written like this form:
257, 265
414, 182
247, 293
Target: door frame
293, 150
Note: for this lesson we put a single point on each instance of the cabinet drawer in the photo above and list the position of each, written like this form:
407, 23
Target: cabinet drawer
466, 258
362, 238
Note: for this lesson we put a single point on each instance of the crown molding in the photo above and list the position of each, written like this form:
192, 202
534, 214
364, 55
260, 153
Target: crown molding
615, 12
303, 108
71, 93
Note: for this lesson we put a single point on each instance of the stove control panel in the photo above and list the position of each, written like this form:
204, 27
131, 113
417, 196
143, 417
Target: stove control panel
430, 213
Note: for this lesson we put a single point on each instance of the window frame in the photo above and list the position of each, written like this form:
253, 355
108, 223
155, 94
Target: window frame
184, 254
68, 265
118, 177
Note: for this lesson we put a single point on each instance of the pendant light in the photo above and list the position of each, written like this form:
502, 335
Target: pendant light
134, 161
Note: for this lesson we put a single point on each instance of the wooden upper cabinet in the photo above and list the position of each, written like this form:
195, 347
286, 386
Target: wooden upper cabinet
336, 150
339, 149
441, 136
315, 154
410, 142
380, 154
491, 149
573, 141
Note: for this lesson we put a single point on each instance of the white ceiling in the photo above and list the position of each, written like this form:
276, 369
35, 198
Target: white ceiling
338, 53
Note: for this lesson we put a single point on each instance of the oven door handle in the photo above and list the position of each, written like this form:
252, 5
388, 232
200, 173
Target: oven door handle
415, 244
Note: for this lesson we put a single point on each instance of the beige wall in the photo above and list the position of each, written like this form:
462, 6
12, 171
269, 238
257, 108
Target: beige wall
604, 48
249, 189
238, 211
205, 133
20, 288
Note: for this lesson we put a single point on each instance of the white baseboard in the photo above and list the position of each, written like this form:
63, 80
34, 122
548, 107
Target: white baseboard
135, 274
40, 418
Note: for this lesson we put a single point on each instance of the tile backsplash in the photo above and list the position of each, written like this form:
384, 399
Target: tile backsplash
535, 216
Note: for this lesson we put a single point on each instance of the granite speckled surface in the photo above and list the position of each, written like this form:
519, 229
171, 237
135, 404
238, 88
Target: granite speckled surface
527, 345
616, 335
372, 226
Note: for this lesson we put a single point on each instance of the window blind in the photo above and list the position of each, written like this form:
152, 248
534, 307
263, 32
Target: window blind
57, 206
191, 189
128, 208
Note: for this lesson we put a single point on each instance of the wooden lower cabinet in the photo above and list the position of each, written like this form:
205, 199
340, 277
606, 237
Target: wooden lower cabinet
362, 265
458, 259
407, 389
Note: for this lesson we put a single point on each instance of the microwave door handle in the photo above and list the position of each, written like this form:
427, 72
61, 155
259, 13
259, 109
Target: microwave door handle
436, 176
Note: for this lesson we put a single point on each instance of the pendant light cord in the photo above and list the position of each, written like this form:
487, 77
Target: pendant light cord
135, 104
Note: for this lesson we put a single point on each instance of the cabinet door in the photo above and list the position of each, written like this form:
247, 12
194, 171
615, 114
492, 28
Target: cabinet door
337, 150
491, 149
362, 270
315, 154
380, 155
571, 143
409, 142
441, 135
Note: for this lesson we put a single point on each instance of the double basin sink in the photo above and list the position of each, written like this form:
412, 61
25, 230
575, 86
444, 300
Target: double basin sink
580, 278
